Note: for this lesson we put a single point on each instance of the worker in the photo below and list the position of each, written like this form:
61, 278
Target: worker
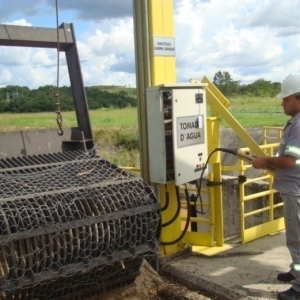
287, 180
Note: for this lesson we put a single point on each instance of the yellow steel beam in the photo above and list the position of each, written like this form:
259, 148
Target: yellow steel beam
219, 107
216, 92
161, 24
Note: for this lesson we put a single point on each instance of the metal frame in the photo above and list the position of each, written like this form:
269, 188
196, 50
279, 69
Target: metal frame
64, 37
213, 242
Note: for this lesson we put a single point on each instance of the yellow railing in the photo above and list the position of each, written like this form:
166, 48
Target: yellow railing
261, 211
267, 138
261, 203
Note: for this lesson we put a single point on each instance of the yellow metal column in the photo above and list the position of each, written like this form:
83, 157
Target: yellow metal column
153, 22
161, 25
214, 142
213, 132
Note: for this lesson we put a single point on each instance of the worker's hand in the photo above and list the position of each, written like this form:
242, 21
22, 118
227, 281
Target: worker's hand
260, 162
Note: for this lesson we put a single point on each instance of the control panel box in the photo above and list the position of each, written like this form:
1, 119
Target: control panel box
176, 120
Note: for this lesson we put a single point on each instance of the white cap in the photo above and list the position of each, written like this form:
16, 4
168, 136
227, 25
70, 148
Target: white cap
290, 85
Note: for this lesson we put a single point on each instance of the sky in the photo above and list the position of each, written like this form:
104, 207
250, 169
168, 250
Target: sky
250, 39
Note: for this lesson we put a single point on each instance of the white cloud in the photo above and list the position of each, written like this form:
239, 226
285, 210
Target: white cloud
20, 22
44, 58
109, 54
5, 76
15, 56
250, 39
119, 40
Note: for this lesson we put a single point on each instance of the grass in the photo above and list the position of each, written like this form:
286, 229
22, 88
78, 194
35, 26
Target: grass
257, 112
106, 118
114, 117
249, 112
116, 130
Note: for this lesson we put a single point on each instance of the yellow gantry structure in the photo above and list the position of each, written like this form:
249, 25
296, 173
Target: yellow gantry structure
153, 20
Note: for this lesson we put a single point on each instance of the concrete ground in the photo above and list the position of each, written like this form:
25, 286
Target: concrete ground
243, 272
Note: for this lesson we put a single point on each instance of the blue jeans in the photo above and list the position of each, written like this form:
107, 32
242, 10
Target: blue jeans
292, 231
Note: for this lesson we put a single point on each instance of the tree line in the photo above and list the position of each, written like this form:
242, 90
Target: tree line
258, 88
16, 99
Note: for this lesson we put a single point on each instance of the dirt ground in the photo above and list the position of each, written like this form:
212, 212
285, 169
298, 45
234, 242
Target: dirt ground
149, 285
144, 287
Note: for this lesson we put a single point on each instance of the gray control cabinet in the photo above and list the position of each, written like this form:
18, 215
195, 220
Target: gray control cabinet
177, 137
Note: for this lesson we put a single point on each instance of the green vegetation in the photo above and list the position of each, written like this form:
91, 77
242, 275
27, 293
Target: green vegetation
256, 111
113, 112
15, 99
116, 130
258, 88
119, 145
249, 112
100, 118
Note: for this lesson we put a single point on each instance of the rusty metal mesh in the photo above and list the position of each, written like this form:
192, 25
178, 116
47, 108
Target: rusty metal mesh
71, 224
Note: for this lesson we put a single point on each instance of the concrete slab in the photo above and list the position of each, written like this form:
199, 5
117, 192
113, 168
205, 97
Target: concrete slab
243, 272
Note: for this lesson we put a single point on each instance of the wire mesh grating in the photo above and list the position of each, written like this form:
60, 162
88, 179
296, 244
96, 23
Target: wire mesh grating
70, 223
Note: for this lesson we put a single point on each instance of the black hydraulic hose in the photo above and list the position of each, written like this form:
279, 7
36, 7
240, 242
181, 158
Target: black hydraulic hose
167, 200
185, 227
177, 211
199, 187
231, 151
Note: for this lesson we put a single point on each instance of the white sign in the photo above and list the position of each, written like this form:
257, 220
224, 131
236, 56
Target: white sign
189, 131
164, 46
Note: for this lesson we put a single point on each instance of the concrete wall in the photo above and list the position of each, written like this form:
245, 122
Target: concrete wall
42, 141
33, 142
231, 207
231, 195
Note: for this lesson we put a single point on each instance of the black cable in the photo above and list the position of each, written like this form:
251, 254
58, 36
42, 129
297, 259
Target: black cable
241, 178
200, 198
177, 211
200, 183
167, 200
231, 151
185, 227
